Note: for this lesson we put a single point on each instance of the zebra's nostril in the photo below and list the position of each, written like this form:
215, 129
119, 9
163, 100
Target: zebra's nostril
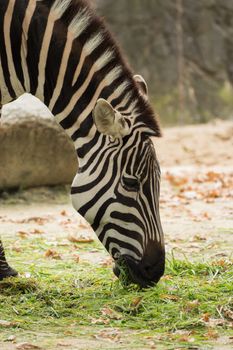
147, 268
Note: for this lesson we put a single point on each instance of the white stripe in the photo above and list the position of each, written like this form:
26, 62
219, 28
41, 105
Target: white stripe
56, 12
88, 48
119, 90
76, 27
109, 78
60, 6
80, 22
25, 28
62, 71
5, 95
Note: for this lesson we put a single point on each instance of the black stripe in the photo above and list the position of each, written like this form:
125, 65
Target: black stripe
55, 53
91, 185
122, 244
35, 38
5, 68
16, 37
86, 148
129, 218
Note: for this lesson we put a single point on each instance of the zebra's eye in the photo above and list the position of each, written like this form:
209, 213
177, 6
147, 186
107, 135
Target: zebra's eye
131, 183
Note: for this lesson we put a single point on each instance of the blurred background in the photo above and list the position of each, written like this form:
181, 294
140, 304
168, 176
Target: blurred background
183, 48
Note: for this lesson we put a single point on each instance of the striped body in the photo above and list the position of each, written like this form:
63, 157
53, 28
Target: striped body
62, 53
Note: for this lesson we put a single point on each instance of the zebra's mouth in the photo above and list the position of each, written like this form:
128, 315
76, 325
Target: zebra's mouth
129, 272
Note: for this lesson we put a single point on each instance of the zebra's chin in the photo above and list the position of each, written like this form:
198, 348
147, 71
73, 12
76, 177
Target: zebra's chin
130, 271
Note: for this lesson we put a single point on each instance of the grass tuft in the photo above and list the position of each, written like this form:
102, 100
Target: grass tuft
60, 294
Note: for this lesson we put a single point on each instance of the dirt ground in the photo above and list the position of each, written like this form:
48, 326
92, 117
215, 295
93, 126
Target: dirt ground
196, 205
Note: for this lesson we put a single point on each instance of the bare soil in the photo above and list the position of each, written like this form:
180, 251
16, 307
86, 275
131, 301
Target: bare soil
196, 210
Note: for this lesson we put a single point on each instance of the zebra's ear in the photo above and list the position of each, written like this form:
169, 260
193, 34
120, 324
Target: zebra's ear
108, 121
142, 85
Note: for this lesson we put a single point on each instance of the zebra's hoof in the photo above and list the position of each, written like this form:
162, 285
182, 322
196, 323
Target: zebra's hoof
9, 272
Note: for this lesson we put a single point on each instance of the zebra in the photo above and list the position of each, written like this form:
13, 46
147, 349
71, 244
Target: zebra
61, 52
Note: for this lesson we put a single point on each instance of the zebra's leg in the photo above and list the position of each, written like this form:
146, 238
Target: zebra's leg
5, 269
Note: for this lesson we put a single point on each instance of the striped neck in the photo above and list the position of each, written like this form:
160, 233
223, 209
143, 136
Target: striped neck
62, 53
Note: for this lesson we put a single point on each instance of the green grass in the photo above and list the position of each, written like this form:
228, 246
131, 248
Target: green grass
62, 296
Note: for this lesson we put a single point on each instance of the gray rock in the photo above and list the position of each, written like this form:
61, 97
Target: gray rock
35, 150
147, 31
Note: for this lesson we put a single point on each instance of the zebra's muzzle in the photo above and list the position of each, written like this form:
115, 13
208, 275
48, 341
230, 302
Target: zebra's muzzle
142, 273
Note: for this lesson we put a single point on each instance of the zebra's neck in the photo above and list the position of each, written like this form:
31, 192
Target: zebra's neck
62, 53
90, 67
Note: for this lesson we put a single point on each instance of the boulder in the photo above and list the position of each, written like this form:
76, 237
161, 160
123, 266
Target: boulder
35, 150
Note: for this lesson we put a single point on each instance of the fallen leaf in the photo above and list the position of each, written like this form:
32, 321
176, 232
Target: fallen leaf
212, 334
107, 262
227, 313
167, 277
109, 334
191, 305
36, 219
169, 297
136, 302
80, 239
83, 226
16, 248
199, 238
7, 324
22, 234
176, 180
206, 317
112, 314
51, 253
11, 338
76, 258
100, 320
213, 194
27, 346
36, 231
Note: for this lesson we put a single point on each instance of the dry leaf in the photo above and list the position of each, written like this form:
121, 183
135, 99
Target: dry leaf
228, 313
222, 263
176, 180
53, 254
36, 219
107, 262
169, 297
199, 238
11, 338
84, 226
112, 314
22, 234
76, 258
36, 232
27, 346
110, 334
100, 321
167, 277
136, 302
80, 239
213, 194
190, 305
7, 324
16, 249
206, 317
212, 334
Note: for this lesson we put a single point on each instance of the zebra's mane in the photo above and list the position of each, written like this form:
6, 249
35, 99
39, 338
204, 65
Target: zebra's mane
77, 16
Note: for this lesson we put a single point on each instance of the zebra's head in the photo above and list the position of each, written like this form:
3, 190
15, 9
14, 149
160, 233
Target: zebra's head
117, 191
